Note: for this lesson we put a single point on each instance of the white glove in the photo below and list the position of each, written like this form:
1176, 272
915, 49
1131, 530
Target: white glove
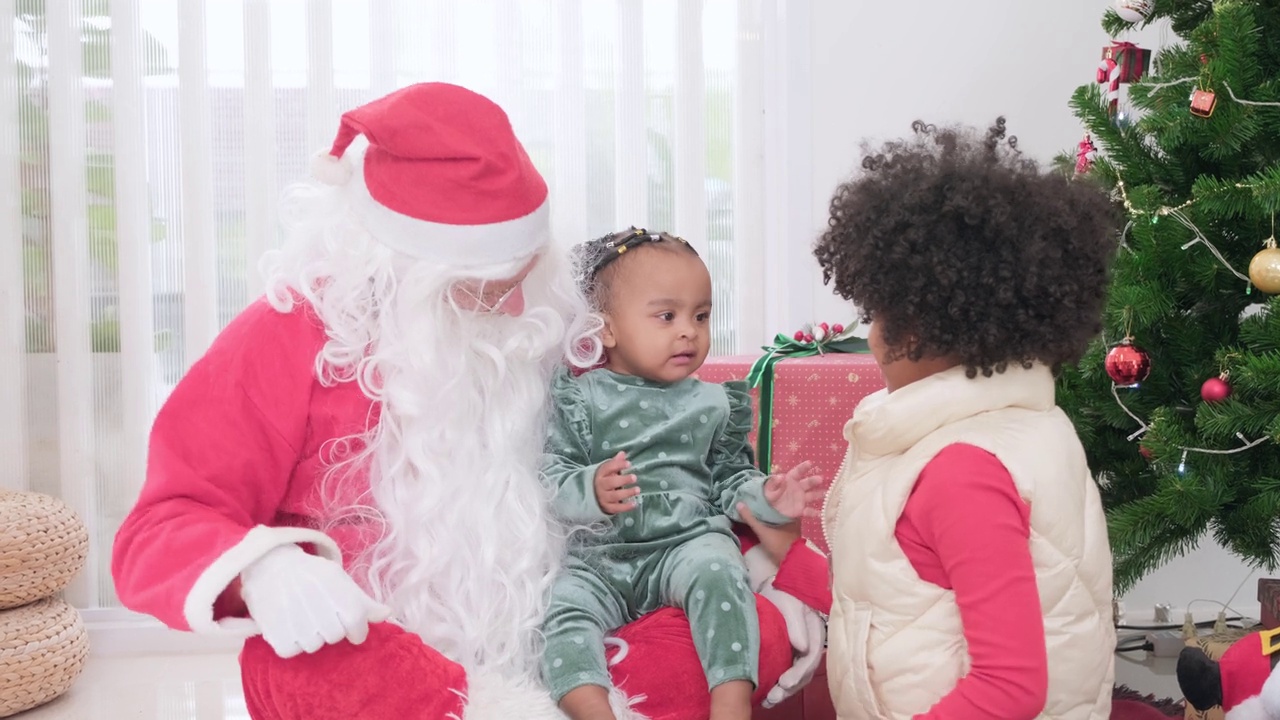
808, 635
302, 602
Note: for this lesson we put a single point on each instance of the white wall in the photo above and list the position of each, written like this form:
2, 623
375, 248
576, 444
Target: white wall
874, 67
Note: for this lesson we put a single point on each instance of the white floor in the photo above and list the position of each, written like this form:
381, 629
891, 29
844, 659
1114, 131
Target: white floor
207, 687
162, 687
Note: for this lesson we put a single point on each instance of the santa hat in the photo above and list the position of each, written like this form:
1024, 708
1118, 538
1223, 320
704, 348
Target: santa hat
443, 177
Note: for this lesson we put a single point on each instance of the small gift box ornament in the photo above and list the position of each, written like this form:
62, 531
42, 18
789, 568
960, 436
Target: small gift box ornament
1203, 103
1131, 60
1122, 62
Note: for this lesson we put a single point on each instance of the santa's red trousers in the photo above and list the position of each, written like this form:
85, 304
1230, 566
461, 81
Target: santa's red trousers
394, 676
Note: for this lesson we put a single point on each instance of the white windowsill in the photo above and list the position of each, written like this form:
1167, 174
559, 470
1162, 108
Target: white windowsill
115, 632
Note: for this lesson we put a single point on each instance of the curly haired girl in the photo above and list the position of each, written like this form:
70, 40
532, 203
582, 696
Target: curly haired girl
971, 570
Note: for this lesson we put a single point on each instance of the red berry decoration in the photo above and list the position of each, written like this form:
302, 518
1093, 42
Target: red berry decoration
808, 337
1215, 390
837, 328
1127, 364
1145, 451
825, 327
799, 336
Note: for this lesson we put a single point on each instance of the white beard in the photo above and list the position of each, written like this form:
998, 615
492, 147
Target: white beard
469, 549
450, 474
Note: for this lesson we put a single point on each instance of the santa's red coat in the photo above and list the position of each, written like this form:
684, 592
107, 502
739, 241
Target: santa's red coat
233, 468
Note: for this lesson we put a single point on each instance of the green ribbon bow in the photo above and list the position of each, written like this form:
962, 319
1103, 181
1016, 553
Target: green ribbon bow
761, 376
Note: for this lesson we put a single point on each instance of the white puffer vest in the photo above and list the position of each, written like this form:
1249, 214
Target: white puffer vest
896, 641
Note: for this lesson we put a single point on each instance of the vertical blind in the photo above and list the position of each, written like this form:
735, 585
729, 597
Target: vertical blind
145, 144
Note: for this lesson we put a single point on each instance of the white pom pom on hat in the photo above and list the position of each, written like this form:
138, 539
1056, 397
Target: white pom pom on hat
443, 177
330, 170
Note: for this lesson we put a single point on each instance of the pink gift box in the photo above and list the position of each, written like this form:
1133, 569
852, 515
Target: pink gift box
813, 398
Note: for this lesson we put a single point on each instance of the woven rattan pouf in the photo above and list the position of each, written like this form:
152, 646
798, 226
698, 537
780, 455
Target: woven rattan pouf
42, 546
43, 647
43, 643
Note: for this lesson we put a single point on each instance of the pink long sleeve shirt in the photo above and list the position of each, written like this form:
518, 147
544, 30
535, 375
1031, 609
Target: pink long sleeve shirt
965, 528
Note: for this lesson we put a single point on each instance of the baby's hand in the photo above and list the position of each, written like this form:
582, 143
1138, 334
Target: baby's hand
613, 489
795, 493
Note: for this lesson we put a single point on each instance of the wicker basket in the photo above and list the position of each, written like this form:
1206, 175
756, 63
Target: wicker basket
42, 546
43, 647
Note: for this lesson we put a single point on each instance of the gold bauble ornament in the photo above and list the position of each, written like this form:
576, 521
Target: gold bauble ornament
1264, 271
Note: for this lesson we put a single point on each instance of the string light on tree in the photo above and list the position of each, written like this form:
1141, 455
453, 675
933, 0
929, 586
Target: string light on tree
1178, 214
1203, 99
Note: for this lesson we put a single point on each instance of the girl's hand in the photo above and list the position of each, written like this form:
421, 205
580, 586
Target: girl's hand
614, 491
795, 493
776, 541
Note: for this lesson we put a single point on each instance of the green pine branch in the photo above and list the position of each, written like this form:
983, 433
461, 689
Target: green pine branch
1260, 332
1222, 422
1121, 144
1114, 25
1257, 194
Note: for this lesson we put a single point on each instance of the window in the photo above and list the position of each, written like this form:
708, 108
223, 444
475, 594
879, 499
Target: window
153, 139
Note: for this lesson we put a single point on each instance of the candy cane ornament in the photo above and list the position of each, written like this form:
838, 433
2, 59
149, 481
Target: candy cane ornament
1109, 72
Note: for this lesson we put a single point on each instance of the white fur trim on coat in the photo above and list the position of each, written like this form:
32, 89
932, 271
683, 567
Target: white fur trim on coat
1251, 709
1270, 696
493, 697
1263, 706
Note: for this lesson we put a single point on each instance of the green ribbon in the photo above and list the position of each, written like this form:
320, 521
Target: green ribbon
761, 376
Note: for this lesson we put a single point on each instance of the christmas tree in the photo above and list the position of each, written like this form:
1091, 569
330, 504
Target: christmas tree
1178, 403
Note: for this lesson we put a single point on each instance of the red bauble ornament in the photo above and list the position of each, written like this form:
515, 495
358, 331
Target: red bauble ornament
799, 336
1128, 364
1215, 390
837, 328
808, 337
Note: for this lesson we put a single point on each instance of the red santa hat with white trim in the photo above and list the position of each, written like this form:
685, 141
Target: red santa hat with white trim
443, 178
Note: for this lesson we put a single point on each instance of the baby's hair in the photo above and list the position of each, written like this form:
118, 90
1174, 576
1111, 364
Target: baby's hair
598, 260
959, 246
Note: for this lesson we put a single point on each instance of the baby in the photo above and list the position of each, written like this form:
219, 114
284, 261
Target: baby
661, 462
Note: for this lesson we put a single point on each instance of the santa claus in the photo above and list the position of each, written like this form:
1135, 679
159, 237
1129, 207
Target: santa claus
348, 477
